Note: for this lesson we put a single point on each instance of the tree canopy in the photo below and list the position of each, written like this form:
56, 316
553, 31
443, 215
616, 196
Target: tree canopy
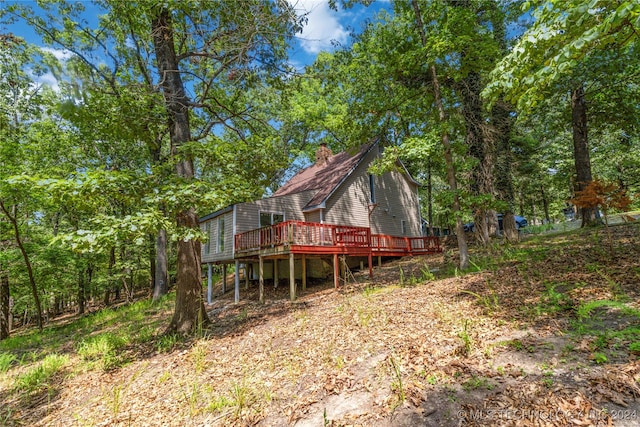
162, 112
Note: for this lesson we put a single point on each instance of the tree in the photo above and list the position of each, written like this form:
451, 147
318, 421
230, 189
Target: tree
387, 85
190, 311
19, 104
207, 55
564, 35
4, 305
431, 61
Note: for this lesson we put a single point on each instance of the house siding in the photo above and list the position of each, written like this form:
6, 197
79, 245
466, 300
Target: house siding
313, 216
214, 255
248, 214
395, 195
349, 205
397, 200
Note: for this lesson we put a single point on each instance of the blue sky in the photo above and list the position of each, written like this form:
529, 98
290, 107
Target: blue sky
325, 27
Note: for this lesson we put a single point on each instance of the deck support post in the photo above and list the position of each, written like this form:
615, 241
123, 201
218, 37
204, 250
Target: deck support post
370, 261
224, 278
379, 261
246, 275
292, 277
336, 271
304, 272
261, 279
209, 283
236, 296
276, 273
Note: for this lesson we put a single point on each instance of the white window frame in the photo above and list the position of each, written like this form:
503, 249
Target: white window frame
220, 236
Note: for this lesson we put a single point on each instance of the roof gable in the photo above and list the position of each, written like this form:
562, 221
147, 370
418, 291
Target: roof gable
326, 178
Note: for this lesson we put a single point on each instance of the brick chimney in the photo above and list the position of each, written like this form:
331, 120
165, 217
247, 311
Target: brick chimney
323, 154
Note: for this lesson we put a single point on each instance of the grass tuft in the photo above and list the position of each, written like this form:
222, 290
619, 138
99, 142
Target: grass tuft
6, 360
39, 377
103, 351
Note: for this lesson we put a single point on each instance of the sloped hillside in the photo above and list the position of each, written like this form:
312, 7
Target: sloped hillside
544, 333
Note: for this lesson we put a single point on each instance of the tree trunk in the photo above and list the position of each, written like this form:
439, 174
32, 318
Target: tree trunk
90, 270
492, 222
27, 262
545, 204
480, 149
125, 273
451, 175
582, 158
503, 122
4, 306
448, 155
161, 285
152, 262
509, 227
59, 303
430, 197
110, 286
81, 296
190, 312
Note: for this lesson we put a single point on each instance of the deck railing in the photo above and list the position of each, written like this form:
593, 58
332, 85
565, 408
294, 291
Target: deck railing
302, 234
385, 243
299, 233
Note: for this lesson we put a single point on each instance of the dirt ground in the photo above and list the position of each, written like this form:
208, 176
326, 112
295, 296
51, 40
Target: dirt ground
513, 344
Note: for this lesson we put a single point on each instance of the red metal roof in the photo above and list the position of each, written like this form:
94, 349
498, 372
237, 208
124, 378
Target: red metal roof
325, 178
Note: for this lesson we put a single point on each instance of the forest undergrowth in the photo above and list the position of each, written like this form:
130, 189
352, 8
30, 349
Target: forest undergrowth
546, 332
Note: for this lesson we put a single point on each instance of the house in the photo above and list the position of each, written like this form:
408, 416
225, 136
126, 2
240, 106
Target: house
334, 208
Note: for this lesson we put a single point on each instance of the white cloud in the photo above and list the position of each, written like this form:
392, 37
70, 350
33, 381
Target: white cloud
46, 79
322, 27
59, 54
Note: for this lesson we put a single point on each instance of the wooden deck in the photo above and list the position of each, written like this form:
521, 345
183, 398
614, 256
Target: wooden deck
298, 237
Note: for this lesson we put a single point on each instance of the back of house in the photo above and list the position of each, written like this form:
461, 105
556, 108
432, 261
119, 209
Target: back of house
337, 189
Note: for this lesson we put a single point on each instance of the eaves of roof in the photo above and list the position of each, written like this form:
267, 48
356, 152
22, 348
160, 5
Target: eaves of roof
216, 213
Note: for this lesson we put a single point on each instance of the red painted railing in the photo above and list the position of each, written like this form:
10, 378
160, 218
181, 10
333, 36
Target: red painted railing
303, 234
385, 243
299, 233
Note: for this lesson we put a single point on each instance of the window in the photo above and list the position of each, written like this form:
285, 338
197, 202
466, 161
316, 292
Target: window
207, 245
270, 218
403, 224
220, 242
372, 189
